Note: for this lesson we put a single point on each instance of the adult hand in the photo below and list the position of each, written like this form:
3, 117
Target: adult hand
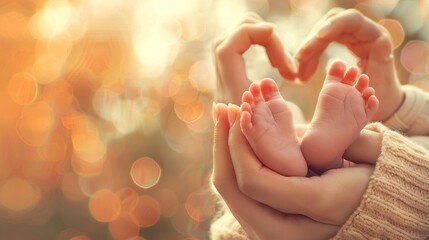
330, 198
368, 41
228, 49
258, 220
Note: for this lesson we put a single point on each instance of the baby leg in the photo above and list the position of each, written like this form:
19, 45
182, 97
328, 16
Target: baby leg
266, 121
342, 110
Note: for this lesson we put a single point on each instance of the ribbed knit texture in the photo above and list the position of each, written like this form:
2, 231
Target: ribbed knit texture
412, 118
396, 203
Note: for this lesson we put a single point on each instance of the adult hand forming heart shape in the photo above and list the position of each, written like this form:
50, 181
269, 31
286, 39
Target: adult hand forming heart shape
367, 40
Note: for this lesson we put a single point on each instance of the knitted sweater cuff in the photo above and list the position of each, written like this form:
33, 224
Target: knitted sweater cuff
395, 205
412, 117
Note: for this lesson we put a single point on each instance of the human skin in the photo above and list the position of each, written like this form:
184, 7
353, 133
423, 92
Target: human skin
343, 109
259, 221
244, 182
244, 187
368, 41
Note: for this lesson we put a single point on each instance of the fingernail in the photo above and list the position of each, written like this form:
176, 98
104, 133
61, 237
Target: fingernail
231, 114
324, 30
215, 113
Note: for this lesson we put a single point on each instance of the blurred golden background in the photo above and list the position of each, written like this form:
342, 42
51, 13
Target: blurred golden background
105, 106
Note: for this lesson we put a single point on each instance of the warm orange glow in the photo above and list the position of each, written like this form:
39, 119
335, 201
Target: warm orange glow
9, 106
145, 172
123, 227
182, 92
168, 201
71, 188
86, 169
19, 194
88, 147
13, 25
189, 113
36, 123
23, 88
60, 96
202, 76
182, 223
204, 122
200, 206
47, 68
145, 211
55, 149
124, 194
105, 206
85, 139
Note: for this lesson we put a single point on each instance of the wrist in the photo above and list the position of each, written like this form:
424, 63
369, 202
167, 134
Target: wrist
395, 106
390, 103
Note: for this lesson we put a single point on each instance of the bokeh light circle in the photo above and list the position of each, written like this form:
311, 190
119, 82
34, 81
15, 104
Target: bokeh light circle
104, 206
23, 88
19, 194
123, 227
395, 29
145, 172
200, 206
414, 56
36, 123
145, 211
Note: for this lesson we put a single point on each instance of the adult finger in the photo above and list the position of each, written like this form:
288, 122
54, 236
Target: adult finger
223, 173
224, 92
262, 34
348, 27
287, 194
315, 196
249, 17
259, 221
231, 63
242, 207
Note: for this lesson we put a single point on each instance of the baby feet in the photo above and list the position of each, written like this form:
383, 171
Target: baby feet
266, 121
342, 110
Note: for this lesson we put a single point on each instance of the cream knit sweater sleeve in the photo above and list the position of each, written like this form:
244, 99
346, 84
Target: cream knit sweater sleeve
396, 202
412, 118
395, 205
